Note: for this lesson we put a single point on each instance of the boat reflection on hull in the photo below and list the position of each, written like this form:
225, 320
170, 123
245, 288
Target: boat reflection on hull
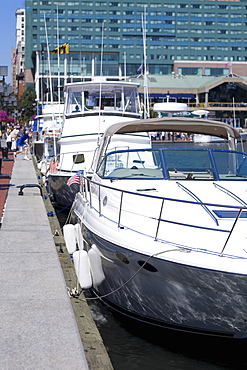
60, 193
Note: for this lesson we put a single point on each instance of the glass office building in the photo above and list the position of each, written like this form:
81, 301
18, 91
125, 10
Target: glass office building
107, 37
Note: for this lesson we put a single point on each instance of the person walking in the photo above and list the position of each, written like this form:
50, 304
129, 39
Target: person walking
14, 135
8, 138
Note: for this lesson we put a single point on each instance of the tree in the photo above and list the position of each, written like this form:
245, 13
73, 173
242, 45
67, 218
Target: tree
26, 105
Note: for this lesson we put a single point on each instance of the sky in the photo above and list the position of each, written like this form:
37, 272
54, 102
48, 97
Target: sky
7, 32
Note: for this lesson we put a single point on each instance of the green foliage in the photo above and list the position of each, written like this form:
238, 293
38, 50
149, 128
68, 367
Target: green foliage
153, 114
26, 105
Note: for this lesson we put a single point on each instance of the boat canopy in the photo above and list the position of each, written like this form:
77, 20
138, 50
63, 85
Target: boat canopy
176, 124
172, 124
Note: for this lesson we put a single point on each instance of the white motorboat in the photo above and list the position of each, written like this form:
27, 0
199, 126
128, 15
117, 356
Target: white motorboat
161, 233
47, 128
90, 107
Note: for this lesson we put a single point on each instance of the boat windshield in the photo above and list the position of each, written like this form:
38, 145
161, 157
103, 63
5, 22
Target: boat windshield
110, 97
175, 164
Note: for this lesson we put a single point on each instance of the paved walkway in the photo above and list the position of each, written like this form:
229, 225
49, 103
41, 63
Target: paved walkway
37, 324
5, 170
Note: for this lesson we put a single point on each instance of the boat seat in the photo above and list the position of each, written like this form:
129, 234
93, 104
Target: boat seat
199, 176
177, 175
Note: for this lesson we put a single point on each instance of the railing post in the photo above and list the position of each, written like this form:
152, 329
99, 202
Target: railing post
99, 203
60, 161
238, 215
120, 209
157, 230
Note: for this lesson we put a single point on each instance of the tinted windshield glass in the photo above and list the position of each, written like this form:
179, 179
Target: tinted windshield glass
231, 165
175, 164
133, 164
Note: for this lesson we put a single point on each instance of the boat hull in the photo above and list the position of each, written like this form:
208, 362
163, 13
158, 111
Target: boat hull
60, 193
167, 295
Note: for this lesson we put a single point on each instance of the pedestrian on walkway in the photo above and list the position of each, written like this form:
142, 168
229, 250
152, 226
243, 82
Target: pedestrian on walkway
23, 142
14, 135
8, 138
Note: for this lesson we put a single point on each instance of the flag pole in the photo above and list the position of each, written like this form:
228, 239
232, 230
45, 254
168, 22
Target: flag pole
58, 65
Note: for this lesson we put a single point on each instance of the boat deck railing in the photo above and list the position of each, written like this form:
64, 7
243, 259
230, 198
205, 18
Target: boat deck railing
217, 104
96, 195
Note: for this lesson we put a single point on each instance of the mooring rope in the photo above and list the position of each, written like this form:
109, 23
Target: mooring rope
131, 278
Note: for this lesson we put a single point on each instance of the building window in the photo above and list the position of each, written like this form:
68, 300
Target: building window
196, 6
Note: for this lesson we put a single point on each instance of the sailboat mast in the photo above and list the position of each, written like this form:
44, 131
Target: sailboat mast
101, 74
49, 61
51, 89
146, 97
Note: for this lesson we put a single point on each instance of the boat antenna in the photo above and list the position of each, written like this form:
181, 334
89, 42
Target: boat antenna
125, 73
101, 74
146, 98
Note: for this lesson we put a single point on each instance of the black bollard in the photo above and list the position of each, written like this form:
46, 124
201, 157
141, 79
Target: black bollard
3, 176
5, 152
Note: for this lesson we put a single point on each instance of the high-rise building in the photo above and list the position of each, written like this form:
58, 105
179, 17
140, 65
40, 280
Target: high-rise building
107, 37
18, 54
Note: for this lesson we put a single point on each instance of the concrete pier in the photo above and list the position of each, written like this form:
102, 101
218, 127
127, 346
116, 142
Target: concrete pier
38, 327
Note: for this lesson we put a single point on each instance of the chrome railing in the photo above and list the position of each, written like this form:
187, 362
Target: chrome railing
218, 104
95, 196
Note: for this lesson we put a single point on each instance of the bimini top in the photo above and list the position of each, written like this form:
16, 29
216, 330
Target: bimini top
176, 124
173, 124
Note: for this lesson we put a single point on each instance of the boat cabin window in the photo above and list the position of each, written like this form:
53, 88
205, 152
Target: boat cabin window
175, 164
74, 102
78, 158
107, 97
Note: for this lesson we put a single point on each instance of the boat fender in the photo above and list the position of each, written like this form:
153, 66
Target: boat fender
96, 265
69, 237
82, 269
78, 236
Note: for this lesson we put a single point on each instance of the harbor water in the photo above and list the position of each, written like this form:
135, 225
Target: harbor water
128, 351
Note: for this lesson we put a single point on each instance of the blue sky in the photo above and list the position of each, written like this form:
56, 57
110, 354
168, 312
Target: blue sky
7, 31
